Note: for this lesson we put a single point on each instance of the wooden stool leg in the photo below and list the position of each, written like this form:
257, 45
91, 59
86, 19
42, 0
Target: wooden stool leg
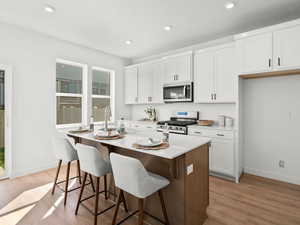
56, 176
163, 206
117, 208
81, 192
105, 187
67, 182
141, 212
79, 172
96, 200
124, 201
92, 182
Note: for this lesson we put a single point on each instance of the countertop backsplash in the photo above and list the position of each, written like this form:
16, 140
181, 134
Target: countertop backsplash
207, 111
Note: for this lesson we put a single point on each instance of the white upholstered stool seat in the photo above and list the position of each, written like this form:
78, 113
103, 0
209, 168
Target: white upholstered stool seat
64, 150
92, 163
131, 176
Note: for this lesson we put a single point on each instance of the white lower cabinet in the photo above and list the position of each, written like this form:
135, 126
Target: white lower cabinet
222, 151
222, 156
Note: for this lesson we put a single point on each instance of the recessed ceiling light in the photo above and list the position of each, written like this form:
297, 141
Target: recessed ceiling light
49, 9
128, 42
229, 5
168, 28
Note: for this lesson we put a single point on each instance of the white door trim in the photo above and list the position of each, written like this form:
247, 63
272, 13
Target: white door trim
8, 119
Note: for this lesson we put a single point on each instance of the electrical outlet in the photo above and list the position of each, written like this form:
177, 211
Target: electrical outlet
281, 163
190, 169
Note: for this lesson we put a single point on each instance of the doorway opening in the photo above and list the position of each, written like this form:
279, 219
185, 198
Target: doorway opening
5, 104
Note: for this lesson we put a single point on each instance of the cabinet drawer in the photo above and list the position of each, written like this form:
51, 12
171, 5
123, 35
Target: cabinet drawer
211, 133
143, 126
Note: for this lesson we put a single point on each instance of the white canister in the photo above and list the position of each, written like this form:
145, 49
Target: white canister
221, 121
229, 122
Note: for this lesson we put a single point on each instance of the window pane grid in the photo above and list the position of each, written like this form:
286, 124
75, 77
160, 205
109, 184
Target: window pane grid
69, 93
98, 108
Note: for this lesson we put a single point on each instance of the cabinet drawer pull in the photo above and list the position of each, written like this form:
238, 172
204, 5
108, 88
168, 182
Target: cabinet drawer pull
212, 97
215, 96
149, 127
197, 132
279, 61
270, 63
221, 135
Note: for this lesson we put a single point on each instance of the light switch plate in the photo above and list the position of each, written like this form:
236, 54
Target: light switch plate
189, 169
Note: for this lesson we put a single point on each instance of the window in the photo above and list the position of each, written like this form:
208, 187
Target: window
102, 81
73, 97
70, 90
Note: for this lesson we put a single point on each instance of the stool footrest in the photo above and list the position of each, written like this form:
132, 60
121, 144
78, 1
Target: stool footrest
63, 181
154, 217
127, 217
73, 189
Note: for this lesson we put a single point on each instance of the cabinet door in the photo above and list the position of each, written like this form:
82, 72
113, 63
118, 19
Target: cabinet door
178, 68
225, 74
287, 48
256, 53
145, 81
203, 76
183, 68
131, 88
157, 83
169, 70
222, 157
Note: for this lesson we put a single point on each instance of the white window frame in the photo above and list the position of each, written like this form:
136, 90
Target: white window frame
83, 95
112, 92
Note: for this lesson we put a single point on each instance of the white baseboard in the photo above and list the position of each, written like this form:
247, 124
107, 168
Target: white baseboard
275, 176
33, 170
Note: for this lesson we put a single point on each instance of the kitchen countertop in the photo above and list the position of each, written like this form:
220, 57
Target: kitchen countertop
179, 144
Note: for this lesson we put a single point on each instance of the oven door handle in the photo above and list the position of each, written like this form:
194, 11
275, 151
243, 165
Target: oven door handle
184, 91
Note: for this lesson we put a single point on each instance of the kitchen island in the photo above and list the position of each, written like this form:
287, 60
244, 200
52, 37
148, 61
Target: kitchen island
185, 163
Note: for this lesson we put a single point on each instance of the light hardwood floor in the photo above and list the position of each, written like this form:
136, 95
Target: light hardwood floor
255, 201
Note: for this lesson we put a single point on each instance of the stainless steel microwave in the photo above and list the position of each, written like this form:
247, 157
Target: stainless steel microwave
182, 92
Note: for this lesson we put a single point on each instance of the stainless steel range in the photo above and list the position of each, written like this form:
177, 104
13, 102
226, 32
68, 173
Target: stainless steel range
179, 123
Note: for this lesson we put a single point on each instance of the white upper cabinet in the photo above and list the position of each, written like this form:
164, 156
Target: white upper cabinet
255, 53
178, 68
225, 73
287, 48
131, 85
145, 83
215, 75
157, 95
150, 88
269, 49
204, 76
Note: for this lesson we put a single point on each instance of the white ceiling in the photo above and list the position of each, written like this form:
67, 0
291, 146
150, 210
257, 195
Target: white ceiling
106, 24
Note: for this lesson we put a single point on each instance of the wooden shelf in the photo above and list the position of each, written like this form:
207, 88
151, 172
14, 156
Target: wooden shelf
271, 74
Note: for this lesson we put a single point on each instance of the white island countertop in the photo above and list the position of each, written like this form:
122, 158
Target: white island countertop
179, 144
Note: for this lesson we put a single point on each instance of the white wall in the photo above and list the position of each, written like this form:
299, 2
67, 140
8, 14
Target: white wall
207, 111
271, 127
32, 57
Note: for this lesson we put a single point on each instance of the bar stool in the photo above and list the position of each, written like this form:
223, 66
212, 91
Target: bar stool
92, 163
131, 176
64, 150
